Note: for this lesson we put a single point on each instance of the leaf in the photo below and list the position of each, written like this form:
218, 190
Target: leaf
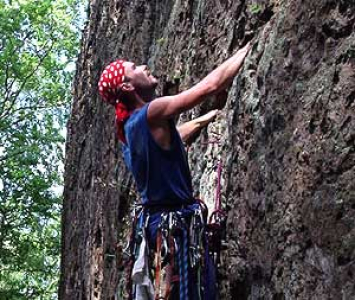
38, 39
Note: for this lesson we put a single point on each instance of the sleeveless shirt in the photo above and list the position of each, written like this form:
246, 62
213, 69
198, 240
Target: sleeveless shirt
162, 176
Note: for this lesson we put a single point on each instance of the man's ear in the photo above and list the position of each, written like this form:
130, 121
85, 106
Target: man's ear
127, 87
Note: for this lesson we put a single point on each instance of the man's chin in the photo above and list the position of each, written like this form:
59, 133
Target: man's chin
154, 82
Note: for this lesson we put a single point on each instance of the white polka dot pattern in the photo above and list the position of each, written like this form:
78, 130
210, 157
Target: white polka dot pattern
110, 81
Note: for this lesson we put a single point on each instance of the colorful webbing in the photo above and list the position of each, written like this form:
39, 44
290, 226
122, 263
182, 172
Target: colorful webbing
206, 258
218, 190
132, 245
158, 265
171, 266
181, 270
198, 272
185, 256
180, 236
196, 238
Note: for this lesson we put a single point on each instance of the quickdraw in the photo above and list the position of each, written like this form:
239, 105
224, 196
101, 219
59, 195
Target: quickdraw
162, 269
130, 252
179, 253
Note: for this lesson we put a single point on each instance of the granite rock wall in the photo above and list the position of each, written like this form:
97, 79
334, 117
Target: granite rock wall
285, 139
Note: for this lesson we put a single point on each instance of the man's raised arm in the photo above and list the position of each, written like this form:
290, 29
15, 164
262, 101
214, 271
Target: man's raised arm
166, 107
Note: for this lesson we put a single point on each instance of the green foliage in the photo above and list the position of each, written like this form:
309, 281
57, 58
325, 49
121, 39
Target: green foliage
38, 43
255, 8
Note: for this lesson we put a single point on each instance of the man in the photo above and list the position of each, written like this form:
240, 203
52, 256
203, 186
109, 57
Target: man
154, 152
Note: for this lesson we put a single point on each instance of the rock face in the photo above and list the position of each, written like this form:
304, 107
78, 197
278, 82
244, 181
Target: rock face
286, 142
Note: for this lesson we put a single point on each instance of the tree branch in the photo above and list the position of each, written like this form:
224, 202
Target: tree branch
12, 155
7, 87
16, 94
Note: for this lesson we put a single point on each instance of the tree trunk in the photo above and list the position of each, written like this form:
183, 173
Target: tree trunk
286, 136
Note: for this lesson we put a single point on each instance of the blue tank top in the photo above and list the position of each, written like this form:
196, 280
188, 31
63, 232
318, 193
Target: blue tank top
162, 176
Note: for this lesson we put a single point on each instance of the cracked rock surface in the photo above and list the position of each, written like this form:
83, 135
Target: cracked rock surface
286, 141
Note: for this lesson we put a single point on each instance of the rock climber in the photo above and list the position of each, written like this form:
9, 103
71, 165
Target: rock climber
153, 150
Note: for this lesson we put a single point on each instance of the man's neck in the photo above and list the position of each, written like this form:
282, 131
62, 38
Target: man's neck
147, 96
140, 100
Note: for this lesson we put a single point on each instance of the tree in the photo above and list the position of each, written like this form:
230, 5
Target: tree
38, 43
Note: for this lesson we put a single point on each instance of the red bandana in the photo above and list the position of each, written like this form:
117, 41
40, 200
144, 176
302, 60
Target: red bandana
109, 86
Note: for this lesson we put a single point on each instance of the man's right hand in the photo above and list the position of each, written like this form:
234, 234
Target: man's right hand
209, 117
188, 129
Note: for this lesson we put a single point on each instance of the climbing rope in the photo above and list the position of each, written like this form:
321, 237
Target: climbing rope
216, 227
184, 281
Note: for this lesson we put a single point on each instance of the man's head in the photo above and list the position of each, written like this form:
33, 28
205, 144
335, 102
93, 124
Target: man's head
127, 87
124, 81
139, 78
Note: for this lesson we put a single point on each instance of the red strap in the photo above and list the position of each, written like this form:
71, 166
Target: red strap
170, 270
158, 265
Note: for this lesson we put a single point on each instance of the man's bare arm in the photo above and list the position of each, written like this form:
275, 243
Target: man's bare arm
166, 107
186, 130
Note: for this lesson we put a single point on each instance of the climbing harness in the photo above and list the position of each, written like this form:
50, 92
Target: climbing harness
187, 246
179, 253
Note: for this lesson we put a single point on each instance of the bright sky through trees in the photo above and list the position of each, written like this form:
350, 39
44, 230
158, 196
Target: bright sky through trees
39, 43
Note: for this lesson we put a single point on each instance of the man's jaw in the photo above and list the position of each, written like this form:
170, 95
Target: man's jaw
147, 95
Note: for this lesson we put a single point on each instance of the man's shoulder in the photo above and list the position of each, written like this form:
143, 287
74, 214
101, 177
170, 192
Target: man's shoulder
137, 122
139, 114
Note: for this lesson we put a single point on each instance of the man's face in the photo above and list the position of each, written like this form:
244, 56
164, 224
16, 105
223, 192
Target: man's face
140, 77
